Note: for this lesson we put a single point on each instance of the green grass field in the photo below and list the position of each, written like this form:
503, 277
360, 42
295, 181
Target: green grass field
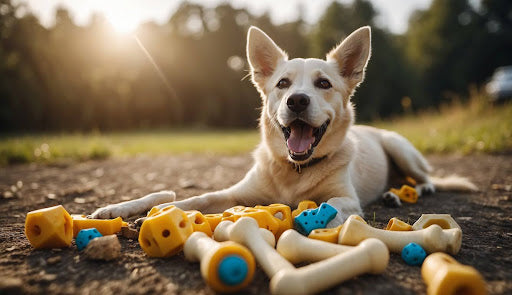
464, 128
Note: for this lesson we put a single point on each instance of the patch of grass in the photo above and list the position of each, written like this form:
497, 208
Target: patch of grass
51, 148
473, 127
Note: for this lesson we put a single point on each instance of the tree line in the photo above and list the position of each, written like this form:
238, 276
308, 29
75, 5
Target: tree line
191, 70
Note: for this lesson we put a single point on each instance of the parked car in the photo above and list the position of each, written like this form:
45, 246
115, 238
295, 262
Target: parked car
500, 85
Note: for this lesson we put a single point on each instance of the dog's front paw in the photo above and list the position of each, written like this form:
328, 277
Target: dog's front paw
112, 211
391, 200
339, 219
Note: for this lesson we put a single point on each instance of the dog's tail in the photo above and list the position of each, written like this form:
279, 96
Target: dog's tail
453, 183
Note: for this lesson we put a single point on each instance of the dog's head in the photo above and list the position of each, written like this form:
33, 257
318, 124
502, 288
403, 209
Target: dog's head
306, 102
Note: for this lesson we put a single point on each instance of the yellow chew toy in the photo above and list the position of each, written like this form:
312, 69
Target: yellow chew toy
226, 266
214, 220
326, 234
199, 222
49, 228
282, 214
104, 226
406, 193
263, 217
396, 224
304, 205
164, 233
445, 276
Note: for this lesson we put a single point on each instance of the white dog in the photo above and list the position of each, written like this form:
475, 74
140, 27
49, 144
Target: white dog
310, 149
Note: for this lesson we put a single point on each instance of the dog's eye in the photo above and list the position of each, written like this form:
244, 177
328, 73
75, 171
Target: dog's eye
283, 83
323, 83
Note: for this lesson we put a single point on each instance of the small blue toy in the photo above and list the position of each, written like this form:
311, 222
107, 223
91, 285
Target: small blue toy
413, 254
311, 219
85, 236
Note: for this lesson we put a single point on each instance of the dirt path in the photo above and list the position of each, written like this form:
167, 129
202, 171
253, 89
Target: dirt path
485, 218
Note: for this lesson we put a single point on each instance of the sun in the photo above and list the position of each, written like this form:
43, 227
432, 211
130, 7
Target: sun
122, 21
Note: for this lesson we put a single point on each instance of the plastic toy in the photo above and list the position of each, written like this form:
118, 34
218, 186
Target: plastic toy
445, 276
85, 236
164, 233
445, 221
103, 248
213, 219
371, 256
104, 226
326, 234
49, 228
396, 224
226, 267
432, 239
296, 248
282, 214
413, 254
199, 222
311, 219
246, 232
263, 217
406, 193
222, 234
304, 205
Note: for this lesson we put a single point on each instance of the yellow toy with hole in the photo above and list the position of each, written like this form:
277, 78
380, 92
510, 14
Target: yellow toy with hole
263, 217
283, 215
104, 226
445, 221
326, 234
213, 219
164, 233
199, 222
304, 205
406, 194
49, 228
445, 276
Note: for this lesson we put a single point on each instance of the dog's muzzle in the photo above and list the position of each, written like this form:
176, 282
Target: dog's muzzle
302, 138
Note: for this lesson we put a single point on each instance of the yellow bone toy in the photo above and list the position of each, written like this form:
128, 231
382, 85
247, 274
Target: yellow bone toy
104, 226
49, 228
225, 266
445, 276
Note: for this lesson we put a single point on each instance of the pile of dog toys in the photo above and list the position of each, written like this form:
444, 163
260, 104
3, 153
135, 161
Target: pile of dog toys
227, 245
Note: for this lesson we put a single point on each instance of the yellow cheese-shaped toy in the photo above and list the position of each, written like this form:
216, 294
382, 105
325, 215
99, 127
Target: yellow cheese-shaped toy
326, 234
213, 219
199, 222
104, 226
164, 233
49, 228
282, 214
264, 218
304, 205
398, 225
445, 276
406, 193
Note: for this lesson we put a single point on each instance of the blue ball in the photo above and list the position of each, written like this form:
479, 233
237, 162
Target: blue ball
233, 270
413, 254
85, 236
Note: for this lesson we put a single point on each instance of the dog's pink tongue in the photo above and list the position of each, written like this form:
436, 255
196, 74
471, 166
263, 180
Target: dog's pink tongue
301, 136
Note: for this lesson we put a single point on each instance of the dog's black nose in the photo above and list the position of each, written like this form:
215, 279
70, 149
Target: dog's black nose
297, 102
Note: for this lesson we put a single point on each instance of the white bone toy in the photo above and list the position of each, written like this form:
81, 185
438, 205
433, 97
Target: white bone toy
296, 248
222, 234
226, 266
432, 238
246, 232
371, 256
445, 221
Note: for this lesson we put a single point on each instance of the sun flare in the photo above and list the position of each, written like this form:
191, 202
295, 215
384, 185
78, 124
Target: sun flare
123, 23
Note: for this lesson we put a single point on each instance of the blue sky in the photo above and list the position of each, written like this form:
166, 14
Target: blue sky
126, 14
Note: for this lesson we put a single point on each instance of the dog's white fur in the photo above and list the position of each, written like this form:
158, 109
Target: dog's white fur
356, 169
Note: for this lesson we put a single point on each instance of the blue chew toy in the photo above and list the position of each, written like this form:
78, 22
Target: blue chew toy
311, 219
233, 270
85, 236
413, 254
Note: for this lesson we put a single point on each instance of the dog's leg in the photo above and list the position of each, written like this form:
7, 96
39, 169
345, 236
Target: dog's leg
134, 207
409, 160
346, 206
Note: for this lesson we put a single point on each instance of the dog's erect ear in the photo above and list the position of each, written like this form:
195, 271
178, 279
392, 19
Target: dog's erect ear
352, 55
263, 55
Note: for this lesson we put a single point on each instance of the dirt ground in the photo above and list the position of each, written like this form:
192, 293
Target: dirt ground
485, 218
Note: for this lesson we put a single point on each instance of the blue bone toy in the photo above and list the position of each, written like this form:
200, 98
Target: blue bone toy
311, 219
85, 236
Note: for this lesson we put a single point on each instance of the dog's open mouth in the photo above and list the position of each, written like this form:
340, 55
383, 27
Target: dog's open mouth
302, 138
